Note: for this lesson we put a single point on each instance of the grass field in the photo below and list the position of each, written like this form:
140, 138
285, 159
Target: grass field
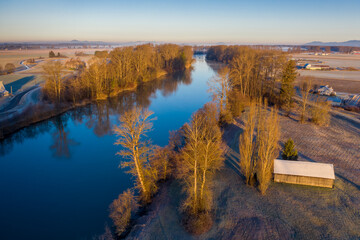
32, 76
16, 56
333, 60
336, 75
287, 211
20, 81
341, 81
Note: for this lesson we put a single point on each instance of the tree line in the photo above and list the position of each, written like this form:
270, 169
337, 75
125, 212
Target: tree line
250, 73
328, 49
253, 73
107, 74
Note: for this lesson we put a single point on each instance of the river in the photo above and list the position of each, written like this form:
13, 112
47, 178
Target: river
58, 177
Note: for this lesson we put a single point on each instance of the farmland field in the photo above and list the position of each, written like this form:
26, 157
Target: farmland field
29, 77
16, 56
333, 60
341, 81
340, 75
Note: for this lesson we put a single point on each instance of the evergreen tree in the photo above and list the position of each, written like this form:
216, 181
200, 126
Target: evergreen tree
51, 54
289, 152
287, 90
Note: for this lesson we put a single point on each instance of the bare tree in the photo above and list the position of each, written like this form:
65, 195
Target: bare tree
54, 83
267, 148
189, 167
121, 210
306, 86
133, 128
219, 87
247, 145
160, 162
212, 152
320, 112
202, 156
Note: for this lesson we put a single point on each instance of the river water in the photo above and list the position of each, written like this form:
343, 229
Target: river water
58, 177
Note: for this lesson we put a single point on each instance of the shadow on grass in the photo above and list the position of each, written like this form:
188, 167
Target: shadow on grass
16, 85
292, 116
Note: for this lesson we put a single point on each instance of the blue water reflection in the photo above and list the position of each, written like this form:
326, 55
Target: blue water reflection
58, 177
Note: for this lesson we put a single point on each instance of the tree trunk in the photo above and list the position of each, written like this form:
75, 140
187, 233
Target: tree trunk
138, 170
195, 186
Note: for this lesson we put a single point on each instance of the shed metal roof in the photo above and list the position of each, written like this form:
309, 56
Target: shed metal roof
301, 168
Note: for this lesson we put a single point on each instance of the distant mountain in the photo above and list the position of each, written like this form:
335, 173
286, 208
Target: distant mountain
351, 43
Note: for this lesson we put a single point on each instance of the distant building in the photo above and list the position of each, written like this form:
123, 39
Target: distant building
316, 67
325, 91
355, 52
304, 173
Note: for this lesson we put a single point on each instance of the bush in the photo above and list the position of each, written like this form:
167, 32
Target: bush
198, 224
237, 102
320, 113
121, 210
225, 118
9, 68
289, 152
101, 54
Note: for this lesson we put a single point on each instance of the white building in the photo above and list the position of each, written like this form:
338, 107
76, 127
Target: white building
304, 173
3, 92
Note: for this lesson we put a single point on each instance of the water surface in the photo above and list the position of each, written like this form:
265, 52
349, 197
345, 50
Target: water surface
58, 177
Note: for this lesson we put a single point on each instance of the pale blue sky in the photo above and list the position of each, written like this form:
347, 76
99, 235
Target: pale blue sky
252, 21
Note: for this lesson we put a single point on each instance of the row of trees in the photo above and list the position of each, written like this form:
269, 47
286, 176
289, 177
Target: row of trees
342, 49
58, 55
107, 75
258, 145
252, 73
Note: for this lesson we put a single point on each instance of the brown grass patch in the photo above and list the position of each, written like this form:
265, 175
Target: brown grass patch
197, 225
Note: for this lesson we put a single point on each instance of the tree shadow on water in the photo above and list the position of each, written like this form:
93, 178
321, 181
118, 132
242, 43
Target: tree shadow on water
61, 141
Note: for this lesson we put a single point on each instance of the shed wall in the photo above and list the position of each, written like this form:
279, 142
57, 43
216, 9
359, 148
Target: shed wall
303, 180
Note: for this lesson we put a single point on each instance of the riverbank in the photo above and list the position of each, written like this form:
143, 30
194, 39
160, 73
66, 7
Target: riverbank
286, 211
34, 113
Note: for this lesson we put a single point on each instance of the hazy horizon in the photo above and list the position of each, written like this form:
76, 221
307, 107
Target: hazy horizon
279, 22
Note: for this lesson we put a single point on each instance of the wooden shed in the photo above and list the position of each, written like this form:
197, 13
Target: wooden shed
304, 173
